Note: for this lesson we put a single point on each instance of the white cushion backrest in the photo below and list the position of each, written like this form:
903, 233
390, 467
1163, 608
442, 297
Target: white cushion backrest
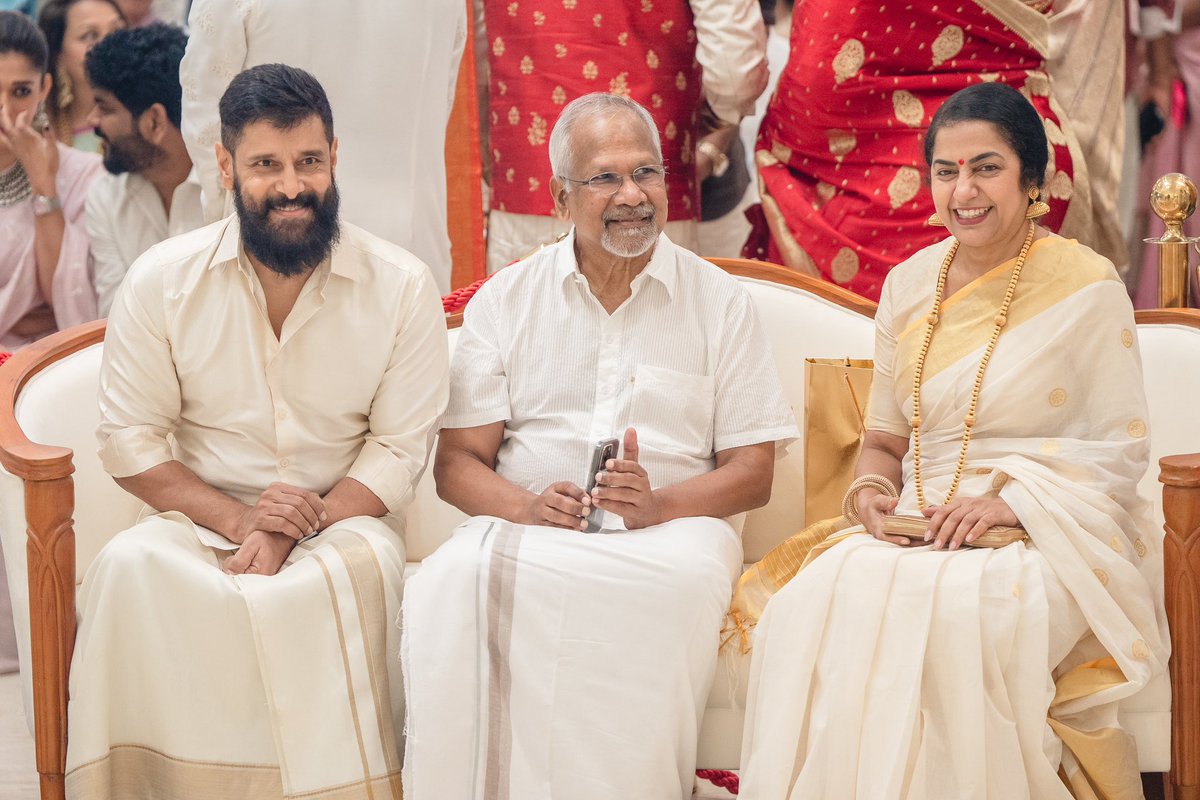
429, 521
58, 406
798, 325
1171, 370
1171, 363
12, 538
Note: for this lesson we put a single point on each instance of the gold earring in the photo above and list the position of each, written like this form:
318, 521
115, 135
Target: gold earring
935, 221
66, 94
1037, 208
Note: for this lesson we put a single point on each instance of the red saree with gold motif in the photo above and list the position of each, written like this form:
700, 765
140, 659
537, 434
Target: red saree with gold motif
841, 170
545, 53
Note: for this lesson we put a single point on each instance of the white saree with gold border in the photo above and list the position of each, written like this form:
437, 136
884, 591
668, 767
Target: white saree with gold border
278, 686
885, 672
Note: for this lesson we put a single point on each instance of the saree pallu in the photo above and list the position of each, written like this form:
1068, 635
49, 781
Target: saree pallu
839, 154
886, 672
187, 682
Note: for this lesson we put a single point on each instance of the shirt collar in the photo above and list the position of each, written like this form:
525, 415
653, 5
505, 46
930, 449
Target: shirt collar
341, 262
663, 266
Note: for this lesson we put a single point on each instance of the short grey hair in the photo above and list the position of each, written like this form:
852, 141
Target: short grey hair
562, 154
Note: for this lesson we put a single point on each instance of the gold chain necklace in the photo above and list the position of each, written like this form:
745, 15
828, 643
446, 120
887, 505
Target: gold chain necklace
930, 322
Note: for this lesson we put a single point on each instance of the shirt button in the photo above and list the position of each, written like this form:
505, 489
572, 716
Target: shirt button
283, 462
281, 414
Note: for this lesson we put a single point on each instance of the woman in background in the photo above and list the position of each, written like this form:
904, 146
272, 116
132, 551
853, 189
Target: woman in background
45, 269
71, 28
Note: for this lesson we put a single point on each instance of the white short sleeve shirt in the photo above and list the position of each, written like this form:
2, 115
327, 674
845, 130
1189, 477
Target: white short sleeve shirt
683, 361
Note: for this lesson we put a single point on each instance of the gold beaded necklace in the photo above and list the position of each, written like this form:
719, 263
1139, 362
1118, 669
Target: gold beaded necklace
930, 322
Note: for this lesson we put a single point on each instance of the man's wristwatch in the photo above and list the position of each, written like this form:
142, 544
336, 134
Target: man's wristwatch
719, 159
44, 204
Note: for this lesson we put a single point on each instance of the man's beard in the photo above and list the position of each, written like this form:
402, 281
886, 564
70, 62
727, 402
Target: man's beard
630, 243
129, 153
294, 246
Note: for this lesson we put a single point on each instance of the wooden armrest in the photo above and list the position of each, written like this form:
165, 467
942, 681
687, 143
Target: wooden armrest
49, 507
1180, 476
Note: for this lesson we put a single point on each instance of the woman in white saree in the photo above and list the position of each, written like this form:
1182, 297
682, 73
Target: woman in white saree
1007, 392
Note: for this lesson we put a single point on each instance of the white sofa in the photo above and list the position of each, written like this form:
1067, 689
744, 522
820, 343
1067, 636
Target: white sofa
48, 397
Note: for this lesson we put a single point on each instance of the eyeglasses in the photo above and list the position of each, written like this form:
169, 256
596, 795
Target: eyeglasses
607, 184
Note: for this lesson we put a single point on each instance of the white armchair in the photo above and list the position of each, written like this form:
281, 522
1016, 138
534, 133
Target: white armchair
58, 508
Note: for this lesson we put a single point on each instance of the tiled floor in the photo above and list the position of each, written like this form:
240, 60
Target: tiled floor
18, 778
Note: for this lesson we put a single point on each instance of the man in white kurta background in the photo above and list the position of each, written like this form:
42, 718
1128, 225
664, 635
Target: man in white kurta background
150, 192
542, 661
270, 377
389, 67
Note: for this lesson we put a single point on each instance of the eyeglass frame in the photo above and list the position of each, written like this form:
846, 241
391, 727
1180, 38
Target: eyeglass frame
658, 171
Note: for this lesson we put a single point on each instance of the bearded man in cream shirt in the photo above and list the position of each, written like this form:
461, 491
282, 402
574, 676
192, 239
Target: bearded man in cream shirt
268, 378
540, 661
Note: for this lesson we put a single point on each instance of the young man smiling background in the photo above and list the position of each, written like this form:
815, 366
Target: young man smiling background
152, 192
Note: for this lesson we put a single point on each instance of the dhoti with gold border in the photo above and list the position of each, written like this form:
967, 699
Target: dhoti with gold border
188, 682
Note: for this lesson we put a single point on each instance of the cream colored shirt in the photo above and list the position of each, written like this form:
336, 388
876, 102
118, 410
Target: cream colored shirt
683, 360
354, 385
125, 218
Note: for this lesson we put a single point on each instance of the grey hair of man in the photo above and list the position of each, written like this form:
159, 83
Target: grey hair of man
562, 153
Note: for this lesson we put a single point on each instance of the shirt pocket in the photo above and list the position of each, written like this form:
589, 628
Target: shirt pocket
673, 411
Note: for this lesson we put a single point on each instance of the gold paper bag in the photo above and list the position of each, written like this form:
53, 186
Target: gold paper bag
835, 411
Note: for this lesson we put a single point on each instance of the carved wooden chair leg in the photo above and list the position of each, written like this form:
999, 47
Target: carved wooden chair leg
49, 507
1181, 569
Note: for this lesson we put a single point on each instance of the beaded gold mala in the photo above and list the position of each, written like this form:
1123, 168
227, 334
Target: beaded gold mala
931, 321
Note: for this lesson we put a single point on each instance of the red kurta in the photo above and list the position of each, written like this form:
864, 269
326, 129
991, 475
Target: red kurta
839, 153
545, 53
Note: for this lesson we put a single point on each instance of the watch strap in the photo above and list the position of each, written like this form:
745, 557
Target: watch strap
719, 159
45, 204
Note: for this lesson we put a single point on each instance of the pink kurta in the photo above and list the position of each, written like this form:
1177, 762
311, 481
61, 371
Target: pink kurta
74, 297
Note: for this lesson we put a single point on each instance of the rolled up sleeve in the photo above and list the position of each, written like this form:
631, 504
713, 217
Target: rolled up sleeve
139, 389
731, 46
408, 403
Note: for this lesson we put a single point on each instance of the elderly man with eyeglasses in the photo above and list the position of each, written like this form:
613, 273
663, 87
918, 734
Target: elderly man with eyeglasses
544, 661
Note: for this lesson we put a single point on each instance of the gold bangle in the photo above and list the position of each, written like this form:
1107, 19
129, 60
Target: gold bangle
871, 481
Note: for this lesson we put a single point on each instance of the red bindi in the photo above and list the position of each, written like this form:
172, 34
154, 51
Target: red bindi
961, 162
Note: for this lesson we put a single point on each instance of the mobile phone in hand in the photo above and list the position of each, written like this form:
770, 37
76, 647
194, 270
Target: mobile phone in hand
602, 451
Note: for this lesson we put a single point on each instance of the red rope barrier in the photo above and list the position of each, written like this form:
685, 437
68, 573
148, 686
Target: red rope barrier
719, 777
457, 300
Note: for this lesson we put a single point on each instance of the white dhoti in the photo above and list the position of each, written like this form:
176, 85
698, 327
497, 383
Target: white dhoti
188, 682
545, 664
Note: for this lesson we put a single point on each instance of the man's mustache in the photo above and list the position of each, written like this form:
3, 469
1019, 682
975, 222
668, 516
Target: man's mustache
624, 213
307, 199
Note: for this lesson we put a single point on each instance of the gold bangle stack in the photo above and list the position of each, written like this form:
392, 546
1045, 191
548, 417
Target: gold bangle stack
870, 481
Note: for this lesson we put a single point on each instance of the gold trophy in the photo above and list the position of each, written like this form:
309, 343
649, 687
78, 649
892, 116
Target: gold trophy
1173, 199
